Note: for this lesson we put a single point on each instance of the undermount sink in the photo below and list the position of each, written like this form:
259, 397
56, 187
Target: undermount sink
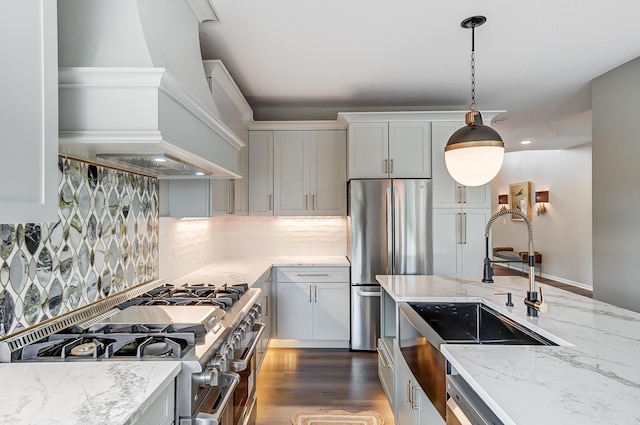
475, 323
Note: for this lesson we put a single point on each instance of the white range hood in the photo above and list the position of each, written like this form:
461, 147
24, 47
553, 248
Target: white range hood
132, 88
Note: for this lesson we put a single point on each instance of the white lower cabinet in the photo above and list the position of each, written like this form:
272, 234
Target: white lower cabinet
312, 307
412, 406
266, 301
161, 411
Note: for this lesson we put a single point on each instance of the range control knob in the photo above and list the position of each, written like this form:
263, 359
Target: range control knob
208, 378
236, 340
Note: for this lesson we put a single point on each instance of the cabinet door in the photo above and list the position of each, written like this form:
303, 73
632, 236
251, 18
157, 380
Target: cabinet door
261, 172
473, 241
409, 149
446, 191
368, 150
295, 310
29, 111
331, 311
221, 193
428, 413
447, 247
328, 172
406, 404
189, 198
291, 176
241, 186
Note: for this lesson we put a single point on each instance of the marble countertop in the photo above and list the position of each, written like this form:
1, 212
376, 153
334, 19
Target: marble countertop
78, 393
249, 269
593, 378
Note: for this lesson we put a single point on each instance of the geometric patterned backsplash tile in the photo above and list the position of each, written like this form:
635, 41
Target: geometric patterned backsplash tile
105, 240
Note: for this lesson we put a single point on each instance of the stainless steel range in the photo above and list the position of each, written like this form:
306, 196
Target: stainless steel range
212, 330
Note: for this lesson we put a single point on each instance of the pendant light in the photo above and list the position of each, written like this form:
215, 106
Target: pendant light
474, 153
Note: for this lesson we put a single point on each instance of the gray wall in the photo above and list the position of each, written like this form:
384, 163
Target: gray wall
563, 234
616, 190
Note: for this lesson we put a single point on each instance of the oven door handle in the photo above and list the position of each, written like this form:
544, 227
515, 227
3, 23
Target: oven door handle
203, 418
238, 365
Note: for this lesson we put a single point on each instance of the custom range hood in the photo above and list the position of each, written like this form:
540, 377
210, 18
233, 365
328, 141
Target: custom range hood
133, 90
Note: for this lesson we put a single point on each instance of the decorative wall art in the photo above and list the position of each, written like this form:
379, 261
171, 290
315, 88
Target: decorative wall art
520, 196
104, 241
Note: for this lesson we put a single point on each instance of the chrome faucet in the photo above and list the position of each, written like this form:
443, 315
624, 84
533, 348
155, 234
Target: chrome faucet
531, 301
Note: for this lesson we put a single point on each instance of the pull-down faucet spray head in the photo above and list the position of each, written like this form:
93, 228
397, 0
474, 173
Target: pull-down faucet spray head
532, 302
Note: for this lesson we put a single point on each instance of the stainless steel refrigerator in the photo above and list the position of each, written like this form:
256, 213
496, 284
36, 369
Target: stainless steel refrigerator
389, 231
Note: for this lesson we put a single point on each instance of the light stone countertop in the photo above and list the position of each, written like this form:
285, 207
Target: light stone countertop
593, 379
249, 269
80, 393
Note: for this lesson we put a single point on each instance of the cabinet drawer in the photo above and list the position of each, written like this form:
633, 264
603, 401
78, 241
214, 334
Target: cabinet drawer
312, 274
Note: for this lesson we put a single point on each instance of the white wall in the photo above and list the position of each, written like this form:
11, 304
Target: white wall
563, 234
616, 173
188, 244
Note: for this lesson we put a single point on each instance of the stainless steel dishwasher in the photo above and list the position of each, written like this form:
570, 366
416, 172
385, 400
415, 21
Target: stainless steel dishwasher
465, 407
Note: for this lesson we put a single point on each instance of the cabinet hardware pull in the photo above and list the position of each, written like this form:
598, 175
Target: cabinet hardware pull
385, 166
266, 302
313, 201
383, 358
459, 229
464, 194
310, 294
413, 397
306, 202
409, 392
464, 228
391, 166
316, 286
313, 274
269, 202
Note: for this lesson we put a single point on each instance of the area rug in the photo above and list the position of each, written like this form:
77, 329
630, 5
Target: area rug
336, 417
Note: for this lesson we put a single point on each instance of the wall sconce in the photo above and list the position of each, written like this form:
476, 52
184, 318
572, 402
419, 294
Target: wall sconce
503, 201
542, 198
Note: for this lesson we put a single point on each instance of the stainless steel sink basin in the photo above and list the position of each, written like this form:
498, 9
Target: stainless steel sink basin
475, 323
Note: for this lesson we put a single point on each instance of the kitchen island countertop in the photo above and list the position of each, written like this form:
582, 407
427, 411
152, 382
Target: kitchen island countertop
79, 393
248, 269
593, 379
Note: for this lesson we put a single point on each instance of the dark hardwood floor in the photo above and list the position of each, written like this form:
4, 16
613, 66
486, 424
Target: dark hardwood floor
327, 379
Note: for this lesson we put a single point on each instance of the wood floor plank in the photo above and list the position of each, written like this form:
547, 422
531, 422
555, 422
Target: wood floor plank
328, 379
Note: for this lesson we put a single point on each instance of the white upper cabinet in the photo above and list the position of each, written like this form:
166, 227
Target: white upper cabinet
390, 150
447, 193
261, 173
309, 172
29, 111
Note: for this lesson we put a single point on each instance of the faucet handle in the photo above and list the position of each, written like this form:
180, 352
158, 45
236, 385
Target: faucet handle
509, 302
543, 307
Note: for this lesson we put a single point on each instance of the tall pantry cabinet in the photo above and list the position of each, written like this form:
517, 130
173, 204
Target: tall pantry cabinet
460, 214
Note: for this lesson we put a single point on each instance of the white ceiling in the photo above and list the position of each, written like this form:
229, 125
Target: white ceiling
308, 60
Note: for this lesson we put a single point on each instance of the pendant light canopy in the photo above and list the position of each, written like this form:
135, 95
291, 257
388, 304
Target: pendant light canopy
474, 153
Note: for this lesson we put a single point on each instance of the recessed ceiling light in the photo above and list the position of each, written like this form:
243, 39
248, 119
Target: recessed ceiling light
199, 173
525, 142
160, 159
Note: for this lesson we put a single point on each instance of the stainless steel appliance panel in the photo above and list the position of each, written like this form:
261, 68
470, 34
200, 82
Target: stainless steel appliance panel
389, 231
412, 240
369, 238
365, 316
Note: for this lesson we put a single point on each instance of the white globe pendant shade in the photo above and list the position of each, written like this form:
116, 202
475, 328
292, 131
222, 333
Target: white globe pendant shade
474, 153
474, 166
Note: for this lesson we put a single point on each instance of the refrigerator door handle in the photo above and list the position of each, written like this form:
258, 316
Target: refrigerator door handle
459, 229
369, 294
389, 232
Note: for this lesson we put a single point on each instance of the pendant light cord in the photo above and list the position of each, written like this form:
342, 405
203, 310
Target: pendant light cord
473, 69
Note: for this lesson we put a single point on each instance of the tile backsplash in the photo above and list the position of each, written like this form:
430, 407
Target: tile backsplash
105, 240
